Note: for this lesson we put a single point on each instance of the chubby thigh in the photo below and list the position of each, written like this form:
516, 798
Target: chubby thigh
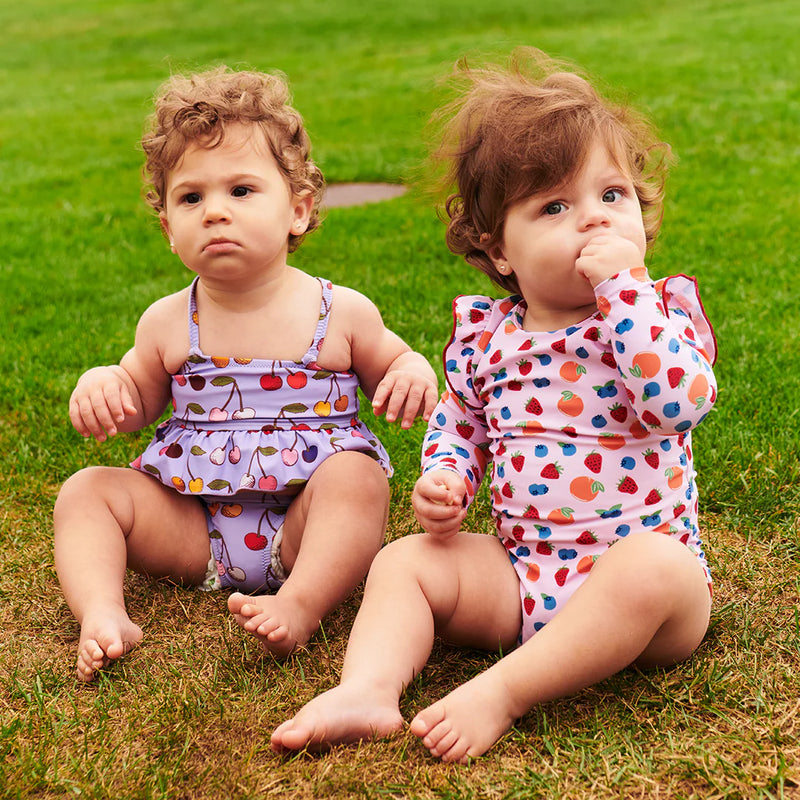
110, 516
470, 585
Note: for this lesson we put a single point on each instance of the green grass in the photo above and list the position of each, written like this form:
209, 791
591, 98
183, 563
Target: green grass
189, 713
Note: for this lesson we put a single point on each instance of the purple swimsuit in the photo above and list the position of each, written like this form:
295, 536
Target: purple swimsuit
246, 435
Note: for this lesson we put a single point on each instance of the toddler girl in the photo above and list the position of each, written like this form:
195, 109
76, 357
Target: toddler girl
576, 397
264, 479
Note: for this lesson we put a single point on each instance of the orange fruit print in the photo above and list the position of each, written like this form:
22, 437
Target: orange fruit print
570, 404
646, 364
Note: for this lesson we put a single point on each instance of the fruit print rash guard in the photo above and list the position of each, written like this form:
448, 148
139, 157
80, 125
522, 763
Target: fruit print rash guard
584, 432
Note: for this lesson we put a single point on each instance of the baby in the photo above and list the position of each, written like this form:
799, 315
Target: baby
264, 479
575, 397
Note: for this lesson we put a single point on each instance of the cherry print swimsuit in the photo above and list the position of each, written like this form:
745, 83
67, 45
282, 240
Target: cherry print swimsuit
246, 435
585, 432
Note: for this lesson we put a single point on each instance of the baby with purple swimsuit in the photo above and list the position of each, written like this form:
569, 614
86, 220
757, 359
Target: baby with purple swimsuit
263, 479
245, 437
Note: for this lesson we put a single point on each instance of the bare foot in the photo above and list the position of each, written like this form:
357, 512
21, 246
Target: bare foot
105, 636
467, 722
341, 715
278, 623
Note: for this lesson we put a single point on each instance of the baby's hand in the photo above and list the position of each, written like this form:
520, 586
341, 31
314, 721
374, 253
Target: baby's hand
405, 394
606, 255
100, 401
438, 502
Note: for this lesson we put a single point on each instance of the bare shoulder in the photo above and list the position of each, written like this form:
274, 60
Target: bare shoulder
164, 328
353, 309
167, 309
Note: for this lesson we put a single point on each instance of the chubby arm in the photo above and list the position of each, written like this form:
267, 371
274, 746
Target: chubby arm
661, 358
127, 396
399, 381
660, 354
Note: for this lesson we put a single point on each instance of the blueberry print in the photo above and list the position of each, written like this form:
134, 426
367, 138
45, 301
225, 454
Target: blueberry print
581, 444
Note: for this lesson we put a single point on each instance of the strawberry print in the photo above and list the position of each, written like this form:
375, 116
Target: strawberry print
653, 497
551, 471
533, 406
651, 458
608, 402
528, 604
465, 430
618, 412
675, 377
593, 462
475, 316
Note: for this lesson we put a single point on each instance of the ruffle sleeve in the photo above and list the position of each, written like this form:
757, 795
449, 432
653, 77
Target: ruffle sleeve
457, 436
681, 297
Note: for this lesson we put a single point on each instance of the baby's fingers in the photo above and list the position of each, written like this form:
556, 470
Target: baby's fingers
85, 420
390, 396
118, 402
412, 402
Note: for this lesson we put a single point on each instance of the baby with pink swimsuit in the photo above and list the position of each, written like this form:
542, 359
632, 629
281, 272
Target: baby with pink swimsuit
586, 430
573, 398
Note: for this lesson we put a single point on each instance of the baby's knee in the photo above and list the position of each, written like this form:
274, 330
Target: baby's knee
85, 488
414, 554
354, 473
657, 568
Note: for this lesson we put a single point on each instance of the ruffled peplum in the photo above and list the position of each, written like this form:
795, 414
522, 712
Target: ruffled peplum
215, 445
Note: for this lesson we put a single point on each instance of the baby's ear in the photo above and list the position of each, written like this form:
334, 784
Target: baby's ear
496, 253
162, 218
303, 206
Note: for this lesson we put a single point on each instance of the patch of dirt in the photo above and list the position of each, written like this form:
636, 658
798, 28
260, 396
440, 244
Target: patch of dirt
341, 195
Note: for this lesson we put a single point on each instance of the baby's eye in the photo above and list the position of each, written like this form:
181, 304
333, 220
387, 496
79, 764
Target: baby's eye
240, 191
191, 198
552, 209
612, 195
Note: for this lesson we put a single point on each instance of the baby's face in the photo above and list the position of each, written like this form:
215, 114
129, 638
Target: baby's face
544, 235
229, 209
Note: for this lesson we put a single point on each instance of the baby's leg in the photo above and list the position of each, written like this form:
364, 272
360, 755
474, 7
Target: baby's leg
333, 530
463, 587
107, 519
645, 601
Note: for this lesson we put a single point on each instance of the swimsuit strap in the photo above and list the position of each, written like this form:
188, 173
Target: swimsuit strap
319, 333
324, 316
194, 328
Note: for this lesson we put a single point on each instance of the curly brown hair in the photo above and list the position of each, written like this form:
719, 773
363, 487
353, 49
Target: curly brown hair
519, 131
199, 106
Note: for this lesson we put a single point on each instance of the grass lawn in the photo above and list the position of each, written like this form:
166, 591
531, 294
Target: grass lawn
188, 715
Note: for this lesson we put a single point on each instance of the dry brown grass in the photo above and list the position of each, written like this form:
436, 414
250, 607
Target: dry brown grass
189, 713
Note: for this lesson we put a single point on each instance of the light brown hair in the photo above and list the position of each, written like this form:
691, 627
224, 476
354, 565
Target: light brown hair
527, 129
198, 107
